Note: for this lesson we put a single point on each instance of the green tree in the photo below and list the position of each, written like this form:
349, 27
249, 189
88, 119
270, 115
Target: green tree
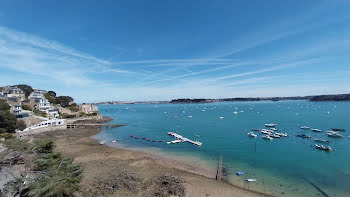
51, 96
3, 105
8, 122
63, 100
26, 89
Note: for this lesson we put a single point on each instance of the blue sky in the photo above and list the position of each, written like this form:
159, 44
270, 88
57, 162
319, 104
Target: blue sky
161, 50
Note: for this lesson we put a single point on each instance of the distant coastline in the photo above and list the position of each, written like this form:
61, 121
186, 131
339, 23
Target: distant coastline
331, 97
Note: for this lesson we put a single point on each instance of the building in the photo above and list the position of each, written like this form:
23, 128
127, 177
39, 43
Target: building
35, 95
17, 109
88, 108
40, 91
44, 105
13, 91
53, 113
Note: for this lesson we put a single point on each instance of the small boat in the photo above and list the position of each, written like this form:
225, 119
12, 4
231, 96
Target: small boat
251, 134
275, 136
304, 136
235, 112
160, 140
250, 180
321, 140
267, 137
270, 125
131, 135
273, 129
153, 141
114, 141
316, 130
336, 129
136, 137
103, 142
305, 127
334, 134
323, 147
221, 117
256, 129
189, 116
239, 173
282, 134
265, 131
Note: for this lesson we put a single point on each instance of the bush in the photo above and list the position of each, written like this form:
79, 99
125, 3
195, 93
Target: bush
59, 175
40, 113
21, 125
64, 116
6, 135
44, 146
17, 144
3, 105
73, 107
26, 107
8, 121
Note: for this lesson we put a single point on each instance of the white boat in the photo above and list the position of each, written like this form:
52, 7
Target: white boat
316, 130
103, 142
270, 125
334, 134
235, 112
305, 127
251, 134
221, 117
189, 116
265, 131
250, 180
273, 129
267, 137
275, 136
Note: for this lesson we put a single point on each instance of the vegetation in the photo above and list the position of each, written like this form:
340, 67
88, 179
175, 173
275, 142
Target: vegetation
26, 107
39, 113
73, 107
64, 115
8, 121
17, 144
6, 135
53, 174
1, 88
26, 89
21, 125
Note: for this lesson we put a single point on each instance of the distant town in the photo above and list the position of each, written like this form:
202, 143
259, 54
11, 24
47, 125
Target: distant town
332, 97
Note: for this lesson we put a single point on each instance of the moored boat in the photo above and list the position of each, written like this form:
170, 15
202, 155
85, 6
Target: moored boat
336, 129
321, 140
250, 180
270, 125
323, 147
316, 130
251, 134
305, 127
256, 129
334, 134
267, 137
304, 136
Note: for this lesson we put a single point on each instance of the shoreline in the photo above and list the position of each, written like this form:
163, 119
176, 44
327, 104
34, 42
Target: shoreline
84, 149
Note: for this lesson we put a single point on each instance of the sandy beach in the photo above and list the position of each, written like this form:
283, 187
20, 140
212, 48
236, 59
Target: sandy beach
141, 171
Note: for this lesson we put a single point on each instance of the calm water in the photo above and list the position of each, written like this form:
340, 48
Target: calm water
282, 167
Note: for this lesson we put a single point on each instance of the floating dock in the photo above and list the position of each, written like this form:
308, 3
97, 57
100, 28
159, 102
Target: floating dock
180, 138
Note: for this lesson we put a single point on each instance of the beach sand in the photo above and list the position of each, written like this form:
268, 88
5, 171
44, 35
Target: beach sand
103, 165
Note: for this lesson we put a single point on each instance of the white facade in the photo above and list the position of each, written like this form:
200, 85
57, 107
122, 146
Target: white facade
54, 122
35, 95
17, 109
44, 104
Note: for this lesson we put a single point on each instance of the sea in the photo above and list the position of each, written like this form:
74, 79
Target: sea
290, 166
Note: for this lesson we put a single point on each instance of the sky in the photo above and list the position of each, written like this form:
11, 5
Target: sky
161, 50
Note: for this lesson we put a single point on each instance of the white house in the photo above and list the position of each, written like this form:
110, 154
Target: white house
35, 95
44, 105
17, 109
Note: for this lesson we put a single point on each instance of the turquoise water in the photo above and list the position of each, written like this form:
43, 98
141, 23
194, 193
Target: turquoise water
282, 167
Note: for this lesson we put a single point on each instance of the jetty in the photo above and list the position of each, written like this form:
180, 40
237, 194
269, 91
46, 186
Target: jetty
180, 138
219, 170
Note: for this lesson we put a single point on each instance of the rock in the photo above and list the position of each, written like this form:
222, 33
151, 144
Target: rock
167, 185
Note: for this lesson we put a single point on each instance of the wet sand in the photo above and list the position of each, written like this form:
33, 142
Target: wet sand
103, 163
